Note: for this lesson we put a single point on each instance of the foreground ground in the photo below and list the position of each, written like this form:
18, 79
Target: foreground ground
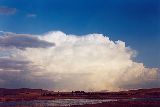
39, 94
124, 104
114, 104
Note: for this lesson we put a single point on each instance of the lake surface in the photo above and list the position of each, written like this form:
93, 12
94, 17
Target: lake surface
67, 102
58, 102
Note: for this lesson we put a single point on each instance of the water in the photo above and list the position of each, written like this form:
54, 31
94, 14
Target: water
144, 99
67, 102
58, 102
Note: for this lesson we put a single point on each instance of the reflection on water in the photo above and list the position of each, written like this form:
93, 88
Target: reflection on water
144, 99
58, 102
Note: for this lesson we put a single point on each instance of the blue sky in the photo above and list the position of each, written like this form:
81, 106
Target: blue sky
136, 22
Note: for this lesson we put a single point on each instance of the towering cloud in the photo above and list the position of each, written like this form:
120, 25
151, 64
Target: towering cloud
68, 62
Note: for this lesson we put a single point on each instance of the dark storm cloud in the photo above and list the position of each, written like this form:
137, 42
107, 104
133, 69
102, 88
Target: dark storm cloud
18, 74
12, 71
22, 41
7, 10
10, 64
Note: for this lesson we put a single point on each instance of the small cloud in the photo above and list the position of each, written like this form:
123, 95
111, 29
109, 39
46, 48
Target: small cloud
31, 15
7, 10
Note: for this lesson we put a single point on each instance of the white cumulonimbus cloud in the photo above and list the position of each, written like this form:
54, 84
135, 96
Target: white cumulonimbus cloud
59, 61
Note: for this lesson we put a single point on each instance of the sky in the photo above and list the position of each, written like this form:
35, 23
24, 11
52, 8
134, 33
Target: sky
34, 24
137, 22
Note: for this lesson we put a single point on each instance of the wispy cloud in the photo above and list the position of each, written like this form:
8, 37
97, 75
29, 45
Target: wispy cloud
4, 10
31, 15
